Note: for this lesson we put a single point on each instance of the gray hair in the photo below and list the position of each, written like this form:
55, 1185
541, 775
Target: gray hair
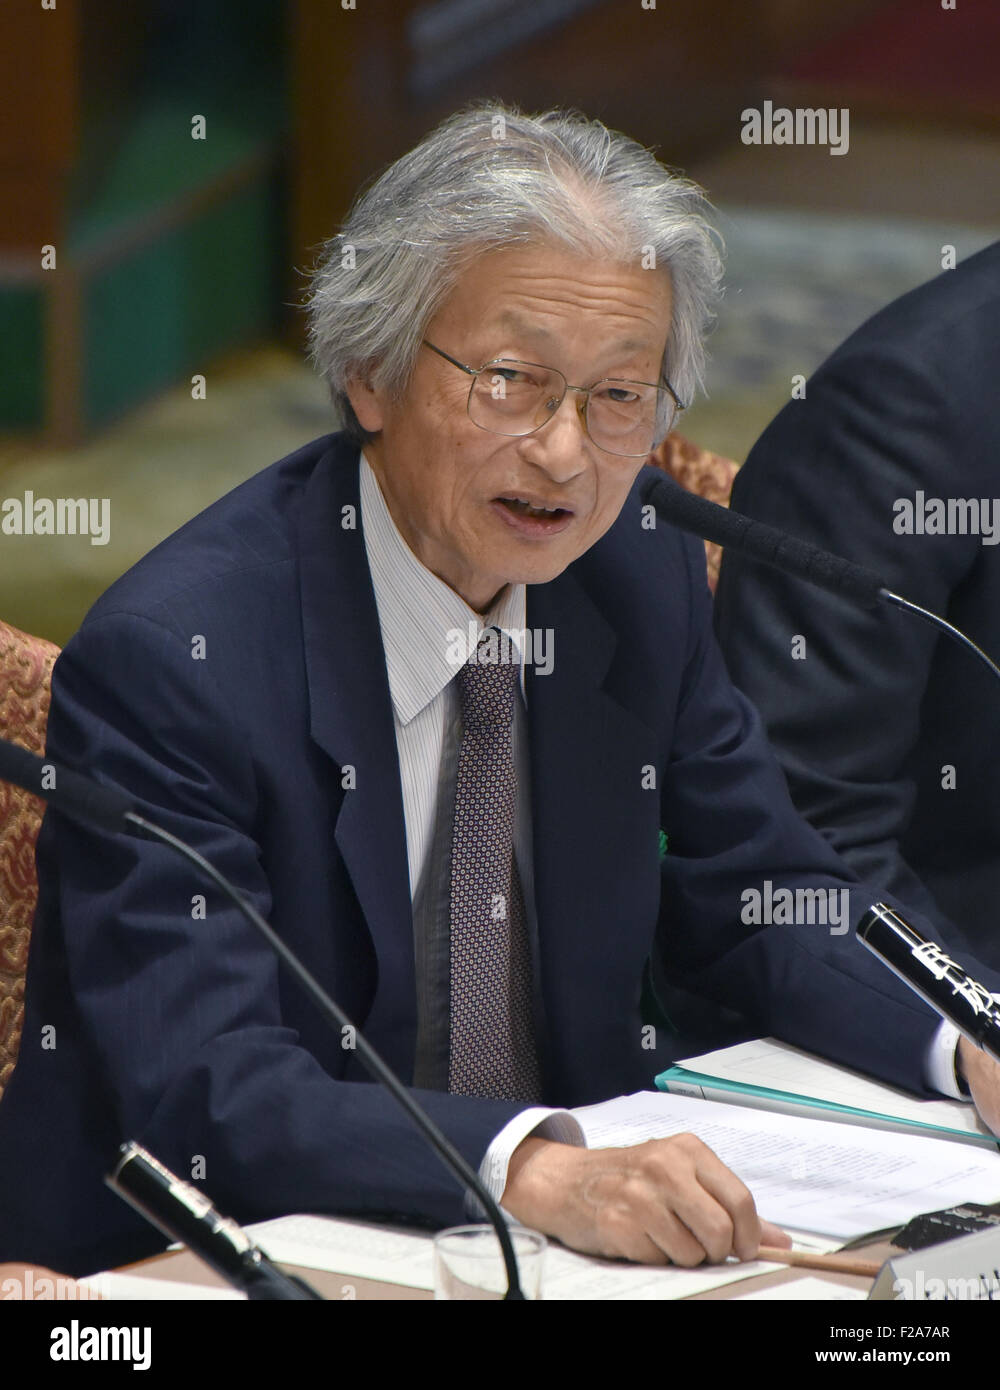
491, 177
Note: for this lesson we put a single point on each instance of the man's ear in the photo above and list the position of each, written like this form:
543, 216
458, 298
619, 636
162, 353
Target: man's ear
366, 402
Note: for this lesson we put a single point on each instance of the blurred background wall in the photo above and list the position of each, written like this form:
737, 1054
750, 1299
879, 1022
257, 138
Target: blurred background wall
170, 168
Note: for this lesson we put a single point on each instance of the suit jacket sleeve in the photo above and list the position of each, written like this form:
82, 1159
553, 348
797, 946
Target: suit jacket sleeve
182, 1004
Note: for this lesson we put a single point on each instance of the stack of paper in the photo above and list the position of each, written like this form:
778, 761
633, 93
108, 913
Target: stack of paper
771, 1075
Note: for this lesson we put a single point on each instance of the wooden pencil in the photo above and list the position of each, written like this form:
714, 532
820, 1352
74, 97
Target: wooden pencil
811, 1259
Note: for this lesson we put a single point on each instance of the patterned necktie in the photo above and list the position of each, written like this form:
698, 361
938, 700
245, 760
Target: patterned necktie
492, 1050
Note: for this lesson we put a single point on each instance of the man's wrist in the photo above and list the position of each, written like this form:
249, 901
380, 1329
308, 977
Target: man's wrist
536, 1181
560, 1126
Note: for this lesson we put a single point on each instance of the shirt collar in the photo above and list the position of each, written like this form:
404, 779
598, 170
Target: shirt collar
428, 631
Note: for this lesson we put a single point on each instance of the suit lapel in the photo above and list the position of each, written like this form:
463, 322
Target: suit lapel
351, 720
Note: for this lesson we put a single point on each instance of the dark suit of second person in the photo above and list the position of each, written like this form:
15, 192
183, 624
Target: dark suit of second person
886, 729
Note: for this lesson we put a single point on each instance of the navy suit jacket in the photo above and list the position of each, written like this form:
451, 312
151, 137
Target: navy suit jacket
228, 682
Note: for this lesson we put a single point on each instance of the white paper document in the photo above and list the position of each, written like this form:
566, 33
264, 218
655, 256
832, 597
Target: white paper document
127, 1288
806, 1290
840, 1181
357, 1248
406, 1257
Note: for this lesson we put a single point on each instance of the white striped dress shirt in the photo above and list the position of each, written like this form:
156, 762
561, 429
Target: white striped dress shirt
428, 632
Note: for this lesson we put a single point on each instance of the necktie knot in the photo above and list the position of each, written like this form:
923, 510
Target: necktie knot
487, 681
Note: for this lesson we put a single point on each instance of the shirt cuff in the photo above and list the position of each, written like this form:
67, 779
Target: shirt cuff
940, 1071
557, 1125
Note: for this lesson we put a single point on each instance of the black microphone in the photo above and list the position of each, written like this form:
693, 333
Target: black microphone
109, 808
768, 545
760, 542
932, 974
77, 797
183, 1213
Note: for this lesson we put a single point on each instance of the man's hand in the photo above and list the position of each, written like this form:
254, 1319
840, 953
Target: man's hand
983, 1077
668, 1201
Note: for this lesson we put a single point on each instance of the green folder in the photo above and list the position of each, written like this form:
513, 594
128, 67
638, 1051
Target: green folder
680, 1081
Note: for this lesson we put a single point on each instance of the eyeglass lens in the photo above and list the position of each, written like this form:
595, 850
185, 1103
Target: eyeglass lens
515, 398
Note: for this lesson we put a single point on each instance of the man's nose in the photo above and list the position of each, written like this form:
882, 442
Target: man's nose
561, 441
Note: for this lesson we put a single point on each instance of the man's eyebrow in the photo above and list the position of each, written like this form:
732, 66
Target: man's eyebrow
508, 319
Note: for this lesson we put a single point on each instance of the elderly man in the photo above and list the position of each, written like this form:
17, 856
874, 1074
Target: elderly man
443, 699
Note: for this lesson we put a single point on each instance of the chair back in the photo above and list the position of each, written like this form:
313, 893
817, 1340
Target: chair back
25, 673
704, 473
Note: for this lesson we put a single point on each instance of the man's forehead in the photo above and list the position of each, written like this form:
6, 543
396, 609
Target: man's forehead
533, 295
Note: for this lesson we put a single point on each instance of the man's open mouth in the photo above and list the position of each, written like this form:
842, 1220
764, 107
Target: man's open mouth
521, 507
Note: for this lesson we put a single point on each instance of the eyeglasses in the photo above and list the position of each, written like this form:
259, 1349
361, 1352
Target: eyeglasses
517, 398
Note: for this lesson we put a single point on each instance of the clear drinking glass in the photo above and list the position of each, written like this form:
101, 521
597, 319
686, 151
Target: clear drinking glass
468, 1262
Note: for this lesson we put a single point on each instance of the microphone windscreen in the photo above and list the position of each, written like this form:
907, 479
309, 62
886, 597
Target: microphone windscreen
734, 531
75, 796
